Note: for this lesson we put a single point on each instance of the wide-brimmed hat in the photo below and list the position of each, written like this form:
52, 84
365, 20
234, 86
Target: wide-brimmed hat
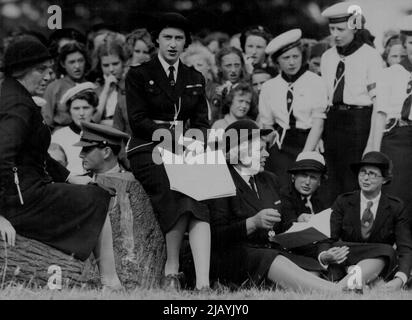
241, 131
376, 159
24, 52
309, 161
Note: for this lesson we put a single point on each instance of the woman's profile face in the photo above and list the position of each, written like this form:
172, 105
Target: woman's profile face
81, 110
290, 61
38, 78
112, 65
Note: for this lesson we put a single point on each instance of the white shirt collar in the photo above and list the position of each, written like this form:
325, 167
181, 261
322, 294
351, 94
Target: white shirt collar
364, 201
166, 66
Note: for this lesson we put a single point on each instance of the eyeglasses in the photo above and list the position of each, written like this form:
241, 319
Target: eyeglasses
371, 174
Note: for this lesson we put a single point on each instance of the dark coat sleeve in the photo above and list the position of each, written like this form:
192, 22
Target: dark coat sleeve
336, 219
199, 118
225, 228
288, 211
404, 241
138, 108
56, 170
14, 127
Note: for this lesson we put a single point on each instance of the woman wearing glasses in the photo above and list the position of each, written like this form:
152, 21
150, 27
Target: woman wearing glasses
365, 225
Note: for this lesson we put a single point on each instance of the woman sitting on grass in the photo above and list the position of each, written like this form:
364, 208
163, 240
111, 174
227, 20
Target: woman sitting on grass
366, 224
240, 225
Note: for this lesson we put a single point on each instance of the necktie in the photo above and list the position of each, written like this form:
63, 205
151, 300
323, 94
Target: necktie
339, 83
289, 101
367, 220
406, 108
308, 204
171, 76
252, 183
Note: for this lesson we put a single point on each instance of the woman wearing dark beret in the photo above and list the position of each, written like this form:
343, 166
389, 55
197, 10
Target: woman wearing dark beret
165, 94
39, 199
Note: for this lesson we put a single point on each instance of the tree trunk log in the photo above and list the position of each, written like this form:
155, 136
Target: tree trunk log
29, 262
139, 246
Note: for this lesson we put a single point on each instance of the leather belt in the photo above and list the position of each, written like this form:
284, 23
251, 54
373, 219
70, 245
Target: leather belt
163, 122
347, 107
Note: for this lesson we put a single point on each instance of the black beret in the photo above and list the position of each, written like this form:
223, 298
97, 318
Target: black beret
25, 51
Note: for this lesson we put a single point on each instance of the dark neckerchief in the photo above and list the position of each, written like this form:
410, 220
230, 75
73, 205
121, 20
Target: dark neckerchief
350, 48
293, 78
75, 128
406, 64
362, 37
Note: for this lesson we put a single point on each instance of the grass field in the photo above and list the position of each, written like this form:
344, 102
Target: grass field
22, 293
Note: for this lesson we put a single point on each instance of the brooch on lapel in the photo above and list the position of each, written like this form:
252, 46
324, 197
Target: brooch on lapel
151, 82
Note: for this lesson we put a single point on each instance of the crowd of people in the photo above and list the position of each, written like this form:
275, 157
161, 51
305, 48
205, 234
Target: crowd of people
334, 122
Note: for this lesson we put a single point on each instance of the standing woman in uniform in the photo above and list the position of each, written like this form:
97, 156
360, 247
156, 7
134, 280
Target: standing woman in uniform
293, 104
393, 124
160, 93
350, 70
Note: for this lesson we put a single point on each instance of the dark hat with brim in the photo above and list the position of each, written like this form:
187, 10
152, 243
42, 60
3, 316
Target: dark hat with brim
98, 134
24, 52
309, 161
376, 159
241, 131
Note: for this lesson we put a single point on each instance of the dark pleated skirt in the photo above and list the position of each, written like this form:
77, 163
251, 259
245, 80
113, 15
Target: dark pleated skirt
250, 264
397, 144
168, 205
361, 251
345, 136
65, 216
280, 161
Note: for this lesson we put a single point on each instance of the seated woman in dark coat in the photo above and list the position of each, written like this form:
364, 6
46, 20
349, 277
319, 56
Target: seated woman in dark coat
300, 198
241, 250
35, 200
369, 223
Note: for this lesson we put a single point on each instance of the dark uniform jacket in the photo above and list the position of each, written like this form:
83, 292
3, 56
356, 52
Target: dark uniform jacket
235, 255
149, 97
25, 153
293, 205
391, 226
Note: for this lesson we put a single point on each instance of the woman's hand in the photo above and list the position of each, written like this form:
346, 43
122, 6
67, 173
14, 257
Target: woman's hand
8, 234
304, 217
266, 218
320, 147
110, 80
249, 64
334, 255
82, 180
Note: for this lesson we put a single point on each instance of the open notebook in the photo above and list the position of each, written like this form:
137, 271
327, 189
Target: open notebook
304, 233
200, 179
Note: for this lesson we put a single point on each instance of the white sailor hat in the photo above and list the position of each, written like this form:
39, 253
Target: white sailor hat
85, 86
340, 12
309, 161
406, 25
284, 42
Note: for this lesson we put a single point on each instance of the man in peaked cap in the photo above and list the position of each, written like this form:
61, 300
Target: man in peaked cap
101, 146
